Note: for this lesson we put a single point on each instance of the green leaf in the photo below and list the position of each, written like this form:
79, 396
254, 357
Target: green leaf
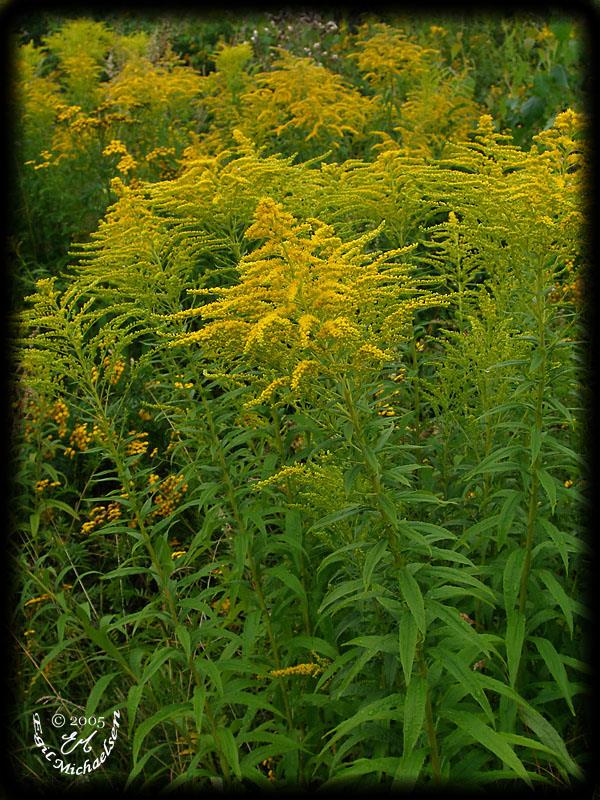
339, 555
507, 515
371, 460
515, 636
536, 444
62, 506
156, 661
414, 713
34, 523
412, 594
383, 708
229, 749
359, 659
557, 669
480, 527
549, 485
290, 580
198, 700
490, 739
376, 643
250, 701
133, 700
173, 710
459, 576
423, 497
460, 672
315, 643
408, 644
389, 510
97, 693
494, 463
550, 737
451, 616
183, 635
409, 769
558, 539
340, 591
209, 668
337, 516
534, 720
363, 766
123, 572
373, 557
559, 595
99, 637
435, 532
511, 578
450, 555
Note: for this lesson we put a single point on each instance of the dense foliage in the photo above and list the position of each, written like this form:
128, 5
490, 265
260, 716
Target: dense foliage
300, 481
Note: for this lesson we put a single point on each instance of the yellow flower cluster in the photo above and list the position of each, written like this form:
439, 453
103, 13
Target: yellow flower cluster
223, 606
101, 514
301, 370
60, 414
370, 351
307, 304
34, 600
159, 153
311, 669
386, 54
279, 477
142, 83
116, 147
268, 764
168, 493
44, 484
298, 94
80, 438
138, 445
116, 369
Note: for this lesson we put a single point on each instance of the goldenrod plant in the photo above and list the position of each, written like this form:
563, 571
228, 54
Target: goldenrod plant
298, 445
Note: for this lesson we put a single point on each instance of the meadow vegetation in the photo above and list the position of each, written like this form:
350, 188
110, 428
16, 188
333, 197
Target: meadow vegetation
299, 418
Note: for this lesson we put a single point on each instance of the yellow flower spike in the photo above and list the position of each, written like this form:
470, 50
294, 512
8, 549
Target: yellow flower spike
116, 147
305, 298
80, 437
284, 473
311, 669
301, 371
371, 351
60, 414
42, 598
126, 164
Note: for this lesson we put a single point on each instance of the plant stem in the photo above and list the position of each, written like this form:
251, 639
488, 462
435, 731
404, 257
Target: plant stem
535, 436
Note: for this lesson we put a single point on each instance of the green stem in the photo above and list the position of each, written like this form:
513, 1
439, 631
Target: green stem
536, 432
